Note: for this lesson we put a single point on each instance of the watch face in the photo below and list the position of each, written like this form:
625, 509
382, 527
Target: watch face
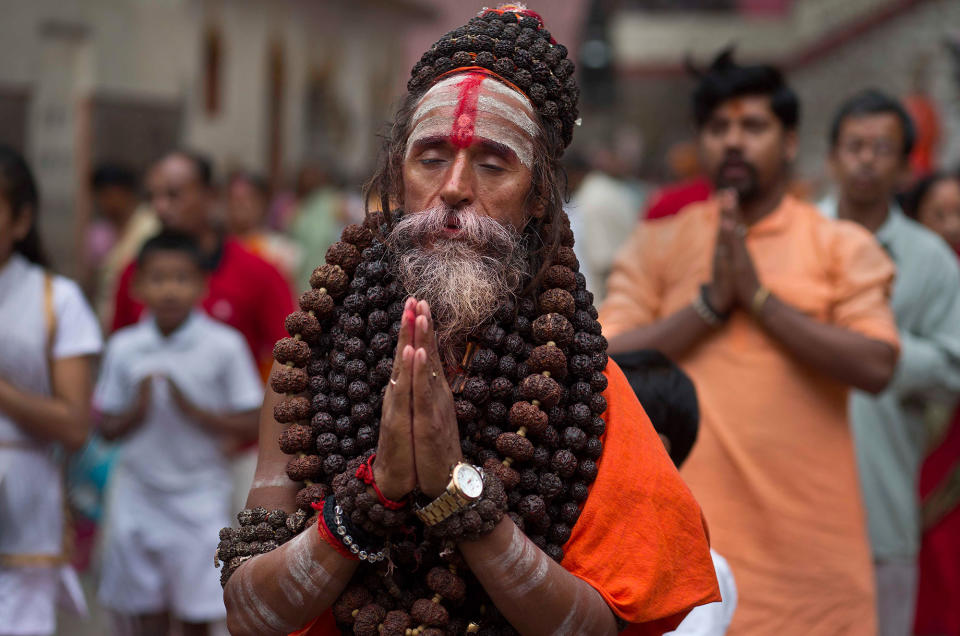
469, 481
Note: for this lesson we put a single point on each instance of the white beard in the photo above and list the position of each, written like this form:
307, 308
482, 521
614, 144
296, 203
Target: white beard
465, 279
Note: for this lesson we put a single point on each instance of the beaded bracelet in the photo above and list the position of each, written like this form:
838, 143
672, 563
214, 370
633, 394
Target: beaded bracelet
343, 536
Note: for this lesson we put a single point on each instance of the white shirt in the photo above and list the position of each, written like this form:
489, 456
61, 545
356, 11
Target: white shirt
31, 499
211, 365
712, 619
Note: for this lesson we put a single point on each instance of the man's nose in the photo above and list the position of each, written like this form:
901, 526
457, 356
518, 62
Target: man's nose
160, 205
458, 185
733, 138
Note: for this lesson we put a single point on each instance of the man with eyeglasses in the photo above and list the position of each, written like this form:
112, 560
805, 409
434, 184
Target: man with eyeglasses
871, 138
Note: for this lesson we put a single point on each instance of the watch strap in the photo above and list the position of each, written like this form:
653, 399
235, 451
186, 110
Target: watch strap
446, 505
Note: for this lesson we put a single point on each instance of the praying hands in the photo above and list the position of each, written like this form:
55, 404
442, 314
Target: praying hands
419, 438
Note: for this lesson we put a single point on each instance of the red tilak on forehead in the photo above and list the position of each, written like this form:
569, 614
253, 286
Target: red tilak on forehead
465, 115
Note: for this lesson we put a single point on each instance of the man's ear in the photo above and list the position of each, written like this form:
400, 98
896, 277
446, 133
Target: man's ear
791, 145
539, 209
905, 176
136, 288
22, 223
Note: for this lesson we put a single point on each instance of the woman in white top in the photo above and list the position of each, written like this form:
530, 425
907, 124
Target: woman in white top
48, 336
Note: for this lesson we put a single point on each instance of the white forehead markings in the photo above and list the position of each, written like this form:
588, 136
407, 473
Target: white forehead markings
447, 94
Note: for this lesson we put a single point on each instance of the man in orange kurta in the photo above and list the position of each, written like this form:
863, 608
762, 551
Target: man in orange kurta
774, 312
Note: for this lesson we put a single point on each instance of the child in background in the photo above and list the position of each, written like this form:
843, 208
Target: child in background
670, 400
174, 388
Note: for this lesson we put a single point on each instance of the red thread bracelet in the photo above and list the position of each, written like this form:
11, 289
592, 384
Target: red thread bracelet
328, 536
365, 473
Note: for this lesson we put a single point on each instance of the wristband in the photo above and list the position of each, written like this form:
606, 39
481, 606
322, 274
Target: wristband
365, 474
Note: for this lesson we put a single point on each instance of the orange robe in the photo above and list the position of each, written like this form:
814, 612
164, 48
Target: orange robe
641, 540
773, 466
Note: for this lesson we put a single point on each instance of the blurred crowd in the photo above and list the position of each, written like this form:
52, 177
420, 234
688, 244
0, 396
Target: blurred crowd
823, 341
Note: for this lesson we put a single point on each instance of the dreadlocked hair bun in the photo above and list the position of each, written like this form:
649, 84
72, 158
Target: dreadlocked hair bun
529, 411
513, 43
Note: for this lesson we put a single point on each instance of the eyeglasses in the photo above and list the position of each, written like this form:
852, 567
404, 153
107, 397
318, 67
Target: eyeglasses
879, 148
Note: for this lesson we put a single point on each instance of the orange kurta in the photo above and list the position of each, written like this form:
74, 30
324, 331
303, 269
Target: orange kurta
640, 540
773, 466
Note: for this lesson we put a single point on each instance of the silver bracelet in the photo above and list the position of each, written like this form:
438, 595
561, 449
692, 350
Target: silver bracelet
350, 543
707, 314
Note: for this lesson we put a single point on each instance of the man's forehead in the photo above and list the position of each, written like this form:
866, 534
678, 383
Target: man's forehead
489, 93
473, 107
174, 168
745, 105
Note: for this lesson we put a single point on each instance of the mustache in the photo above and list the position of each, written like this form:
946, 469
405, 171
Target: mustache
479, 231
735, 159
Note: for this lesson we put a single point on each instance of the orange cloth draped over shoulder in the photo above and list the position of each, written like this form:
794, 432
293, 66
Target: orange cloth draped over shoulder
773, 465
641, 540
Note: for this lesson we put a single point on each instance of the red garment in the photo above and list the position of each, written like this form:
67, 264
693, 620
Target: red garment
670, 199
641, 540
926, 122
244, 291
938, 611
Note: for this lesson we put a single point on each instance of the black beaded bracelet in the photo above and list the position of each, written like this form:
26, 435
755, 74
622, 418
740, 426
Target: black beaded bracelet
707, 311
353, 538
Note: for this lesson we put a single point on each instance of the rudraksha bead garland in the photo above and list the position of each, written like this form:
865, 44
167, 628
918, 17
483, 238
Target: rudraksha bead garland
529, 412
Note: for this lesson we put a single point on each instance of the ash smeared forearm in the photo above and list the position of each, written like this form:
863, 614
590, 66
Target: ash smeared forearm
519, 576
283, 590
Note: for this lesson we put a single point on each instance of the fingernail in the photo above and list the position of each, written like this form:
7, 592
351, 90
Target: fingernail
407, 353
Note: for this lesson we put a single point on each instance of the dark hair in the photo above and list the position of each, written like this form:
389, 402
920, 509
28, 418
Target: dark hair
257, 182
912, 199
874, 102
724, 79
113, 174
667, 395
171, 241
202, 165
19, 188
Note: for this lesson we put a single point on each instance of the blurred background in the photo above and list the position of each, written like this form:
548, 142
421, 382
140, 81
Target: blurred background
275, 86
288, 98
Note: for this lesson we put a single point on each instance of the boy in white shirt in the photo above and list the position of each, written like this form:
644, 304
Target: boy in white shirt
670, 401
173, 389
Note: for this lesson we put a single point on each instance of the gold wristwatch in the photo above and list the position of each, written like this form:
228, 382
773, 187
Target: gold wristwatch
465, 487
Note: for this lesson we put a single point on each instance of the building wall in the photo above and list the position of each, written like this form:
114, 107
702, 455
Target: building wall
885, 56
70, 58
